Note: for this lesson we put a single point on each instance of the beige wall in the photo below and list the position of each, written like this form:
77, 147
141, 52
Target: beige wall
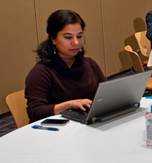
91, 14
17, 40
23, 25
118, 18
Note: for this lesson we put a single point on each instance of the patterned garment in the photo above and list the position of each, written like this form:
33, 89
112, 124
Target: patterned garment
7, 125
149, 25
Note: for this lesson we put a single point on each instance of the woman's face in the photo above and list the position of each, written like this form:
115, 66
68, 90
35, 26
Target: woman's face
69, 40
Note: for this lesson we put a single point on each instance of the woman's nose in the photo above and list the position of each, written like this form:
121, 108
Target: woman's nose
75, 41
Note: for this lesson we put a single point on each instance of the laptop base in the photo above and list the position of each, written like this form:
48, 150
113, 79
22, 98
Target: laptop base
116, 115
81, 116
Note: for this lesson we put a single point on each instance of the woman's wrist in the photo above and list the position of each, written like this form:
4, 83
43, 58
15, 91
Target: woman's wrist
68, 104
62, 106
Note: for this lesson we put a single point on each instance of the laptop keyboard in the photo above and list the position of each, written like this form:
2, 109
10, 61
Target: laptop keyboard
75, 114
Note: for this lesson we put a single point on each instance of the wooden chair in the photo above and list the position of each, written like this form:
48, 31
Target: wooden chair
17, 105
149, 84
125, 60
138, 65
140, 44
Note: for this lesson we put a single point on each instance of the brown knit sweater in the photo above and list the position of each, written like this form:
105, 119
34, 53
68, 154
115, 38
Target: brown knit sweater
46, 86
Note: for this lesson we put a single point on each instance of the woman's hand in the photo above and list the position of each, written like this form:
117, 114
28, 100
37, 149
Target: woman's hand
80, 104
75, 104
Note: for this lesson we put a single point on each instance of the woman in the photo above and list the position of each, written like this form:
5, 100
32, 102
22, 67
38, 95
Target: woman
149, 25
63, 78
149, 36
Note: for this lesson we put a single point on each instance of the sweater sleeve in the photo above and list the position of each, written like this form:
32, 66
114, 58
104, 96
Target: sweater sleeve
37, 86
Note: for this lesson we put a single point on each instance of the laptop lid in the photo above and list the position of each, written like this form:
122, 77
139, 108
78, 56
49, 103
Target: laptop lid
115, 94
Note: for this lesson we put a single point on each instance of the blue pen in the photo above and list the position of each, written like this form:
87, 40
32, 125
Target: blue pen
45, 128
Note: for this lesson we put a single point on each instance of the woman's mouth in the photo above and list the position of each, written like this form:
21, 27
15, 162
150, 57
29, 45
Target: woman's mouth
75, 50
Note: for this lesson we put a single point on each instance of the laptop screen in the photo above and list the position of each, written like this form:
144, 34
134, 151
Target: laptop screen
118, 93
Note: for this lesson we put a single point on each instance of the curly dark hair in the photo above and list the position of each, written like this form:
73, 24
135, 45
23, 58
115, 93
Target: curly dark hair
55, 23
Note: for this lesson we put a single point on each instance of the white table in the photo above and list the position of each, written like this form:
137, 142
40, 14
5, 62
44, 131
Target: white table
120, 141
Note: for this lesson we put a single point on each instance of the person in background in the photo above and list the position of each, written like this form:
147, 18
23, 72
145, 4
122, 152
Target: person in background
149, 25
63, 77
149, 35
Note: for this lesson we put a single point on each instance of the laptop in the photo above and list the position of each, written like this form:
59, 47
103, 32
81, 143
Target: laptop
112, 99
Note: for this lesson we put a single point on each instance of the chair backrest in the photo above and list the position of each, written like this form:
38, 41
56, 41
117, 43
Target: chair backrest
17, 105
137, 64
136, 60
125, 60
149, 84
139, 43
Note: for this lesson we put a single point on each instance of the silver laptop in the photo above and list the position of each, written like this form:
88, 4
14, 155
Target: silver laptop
113, 98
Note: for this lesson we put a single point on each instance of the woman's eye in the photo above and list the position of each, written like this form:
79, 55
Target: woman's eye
79, 37
68, 37
71, 37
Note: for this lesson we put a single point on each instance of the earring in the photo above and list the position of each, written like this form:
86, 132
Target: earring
54, 50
